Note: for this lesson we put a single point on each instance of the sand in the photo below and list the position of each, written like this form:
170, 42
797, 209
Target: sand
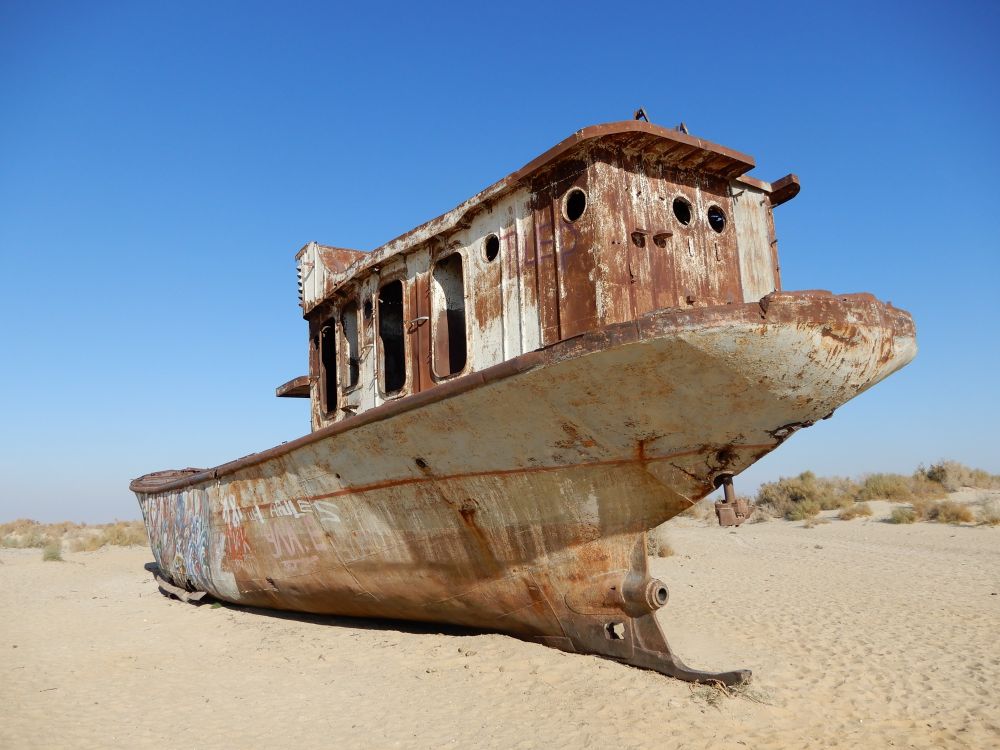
860, 634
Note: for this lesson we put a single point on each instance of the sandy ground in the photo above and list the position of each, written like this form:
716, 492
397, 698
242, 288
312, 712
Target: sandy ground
860, 634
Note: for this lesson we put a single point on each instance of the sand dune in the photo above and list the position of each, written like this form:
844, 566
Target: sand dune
860, 634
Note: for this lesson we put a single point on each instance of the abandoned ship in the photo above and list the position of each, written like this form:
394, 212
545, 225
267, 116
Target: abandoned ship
506, 398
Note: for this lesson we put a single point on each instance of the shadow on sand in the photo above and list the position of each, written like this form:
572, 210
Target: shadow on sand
339, 621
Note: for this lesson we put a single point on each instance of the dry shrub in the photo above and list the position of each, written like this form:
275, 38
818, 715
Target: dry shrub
18, 527
657, 544
942, 511
117, 534
886, 487
88, 541
925, 488
948, 511
923, 507
125, 534
857, 510
954, 476
902, 515
25, 533
804, 496
802, 510
898, 488
989, 511
52, 552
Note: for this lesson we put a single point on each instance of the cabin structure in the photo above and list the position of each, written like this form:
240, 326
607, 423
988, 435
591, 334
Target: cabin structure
615, 222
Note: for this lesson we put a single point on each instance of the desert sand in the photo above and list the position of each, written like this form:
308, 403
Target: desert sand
860, 634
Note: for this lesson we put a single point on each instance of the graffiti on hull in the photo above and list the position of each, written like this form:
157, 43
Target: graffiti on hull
179, 533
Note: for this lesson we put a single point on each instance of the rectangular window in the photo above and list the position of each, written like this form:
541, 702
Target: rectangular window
449, 316
392, 349
328, 365
352, 361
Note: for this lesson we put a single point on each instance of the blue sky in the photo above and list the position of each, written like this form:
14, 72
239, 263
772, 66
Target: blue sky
161, 164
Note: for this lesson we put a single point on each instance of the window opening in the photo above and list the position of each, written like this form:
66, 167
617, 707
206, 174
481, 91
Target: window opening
449, 322
349, 323
576, 204
491, 247
716, 218
390, 333
682, 210
328, 362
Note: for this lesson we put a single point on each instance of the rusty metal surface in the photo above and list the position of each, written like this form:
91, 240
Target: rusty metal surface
294, 388
622, 360
486, 507
731, 510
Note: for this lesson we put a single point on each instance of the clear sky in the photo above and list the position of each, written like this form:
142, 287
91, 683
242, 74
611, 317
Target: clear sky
160, 164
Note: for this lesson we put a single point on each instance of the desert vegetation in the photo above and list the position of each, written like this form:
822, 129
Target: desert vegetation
988, 512
925, 492
857, 510
76, 537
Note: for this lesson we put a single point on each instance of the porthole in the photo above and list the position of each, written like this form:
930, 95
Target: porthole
682, 210
575, 204
491, 248
716, 218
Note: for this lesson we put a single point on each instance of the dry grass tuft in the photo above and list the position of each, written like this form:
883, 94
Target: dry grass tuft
988, 513
802, 510
886, 487
713, 693
117, 534
898, 488
952, 476
25, 533
52, 552
801, 497
942, 511
926, 490
923, 507
902, 515
858, 510
948, 511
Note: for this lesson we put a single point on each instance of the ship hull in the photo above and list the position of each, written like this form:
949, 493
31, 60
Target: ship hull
517, 499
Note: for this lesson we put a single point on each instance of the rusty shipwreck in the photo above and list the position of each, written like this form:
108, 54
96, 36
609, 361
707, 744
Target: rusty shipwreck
506, 398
